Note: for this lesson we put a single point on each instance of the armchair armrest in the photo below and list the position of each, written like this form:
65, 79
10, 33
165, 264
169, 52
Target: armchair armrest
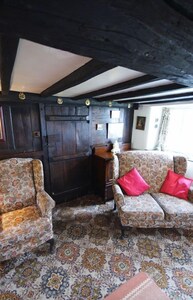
118, 196
45, 203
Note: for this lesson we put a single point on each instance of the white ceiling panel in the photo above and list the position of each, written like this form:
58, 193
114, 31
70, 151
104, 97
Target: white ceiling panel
37, 67
108, 78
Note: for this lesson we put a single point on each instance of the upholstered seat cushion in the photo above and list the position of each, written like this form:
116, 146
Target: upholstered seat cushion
17, 217
174, 207
25, 229
141, 208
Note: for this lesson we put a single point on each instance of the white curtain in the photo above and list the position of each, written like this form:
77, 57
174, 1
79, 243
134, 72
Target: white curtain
180, 131
161, 144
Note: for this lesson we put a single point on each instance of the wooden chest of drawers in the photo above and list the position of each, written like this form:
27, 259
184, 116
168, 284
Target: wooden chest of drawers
102, 161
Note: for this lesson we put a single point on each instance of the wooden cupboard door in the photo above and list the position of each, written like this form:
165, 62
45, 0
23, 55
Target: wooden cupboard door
68, 155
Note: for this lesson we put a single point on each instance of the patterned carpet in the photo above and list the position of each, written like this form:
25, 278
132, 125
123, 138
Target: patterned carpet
91, 260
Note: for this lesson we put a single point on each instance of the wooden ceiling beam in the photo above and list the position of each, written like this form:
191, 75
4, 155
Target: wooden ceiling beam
157, 99
166, 101
150, 37
142, 92
184, 7
85, 72
119, 86
174, 96
8, 51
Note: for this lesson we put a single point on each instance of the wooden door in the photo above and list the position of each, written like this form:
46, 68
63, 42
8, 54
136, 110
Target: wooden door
68, 151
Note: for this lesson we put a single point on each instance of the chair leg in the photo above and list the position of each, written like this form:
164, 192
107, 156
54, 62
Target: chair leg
114, 208
122, 232
52, 245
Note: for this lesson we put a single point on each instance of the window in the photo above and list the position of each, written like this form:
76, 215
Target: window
180, 129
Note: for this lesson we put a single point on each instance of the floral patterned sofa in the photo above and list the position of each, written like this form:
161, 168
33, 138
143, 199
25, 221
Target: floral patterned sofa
25, 208
152, 208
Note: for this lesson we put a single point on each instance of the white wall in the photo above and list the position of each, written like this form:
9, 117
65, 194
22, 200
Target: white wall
189, 172
146, 139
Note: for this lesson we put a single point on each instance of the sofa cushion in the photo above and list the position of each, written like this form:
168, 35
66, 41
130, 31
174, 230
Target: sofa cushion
176, 185
174, 207
16, 184
133, 183
140, 208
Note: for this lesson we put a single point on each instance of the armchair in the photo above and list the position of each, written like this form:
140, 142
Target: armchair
25, 207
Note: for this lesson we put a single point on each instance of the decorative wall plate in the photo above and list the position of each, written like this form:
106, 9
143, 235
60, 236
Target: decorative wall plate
87, 102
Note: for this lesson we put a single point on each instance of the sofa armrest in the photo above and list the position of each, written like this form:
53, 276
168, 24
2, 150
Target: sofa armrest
45, 203
190, 193
118, 195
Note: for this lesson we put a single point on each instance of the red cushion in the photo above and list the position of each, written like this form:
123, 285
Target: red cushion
133, 183
176, 185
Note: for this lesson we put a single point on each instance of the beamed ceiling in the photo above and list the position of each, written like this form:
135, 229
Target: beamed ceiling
126, 50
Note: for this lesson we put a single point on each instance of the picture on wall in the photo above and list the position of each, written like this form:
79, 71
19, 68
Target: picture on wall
140, 124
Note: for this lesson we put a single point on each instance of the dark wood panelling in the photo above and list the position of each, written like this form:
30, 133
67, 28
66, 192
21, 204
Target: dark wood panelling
22, 128
102, 115
24, 122
35, 155
64, 146
68, 150
69, 176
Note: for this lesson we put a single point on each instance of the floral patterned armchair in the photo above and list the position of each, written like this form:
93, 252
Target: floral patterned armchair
25, 208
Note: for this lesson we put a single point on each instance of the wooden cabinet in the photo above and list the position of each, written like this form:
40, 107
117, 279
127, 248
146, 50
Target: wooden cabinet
102, 175
102, 163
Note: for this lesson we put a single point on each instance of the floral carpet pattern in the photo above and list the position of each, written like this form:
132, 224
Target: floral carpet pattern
91, 261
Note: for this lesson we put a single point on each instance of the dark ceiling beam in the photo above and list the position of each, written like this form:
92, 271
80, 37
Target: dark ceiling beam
162, 98
150, 37
8, 51
184, 7
167, 101
142, 92
85, 72
119, 86
157, 99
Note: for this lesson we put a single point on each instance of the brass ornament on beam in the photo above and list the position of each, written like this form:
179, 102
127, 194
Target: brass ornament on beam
60, 101
87, 102
21, 96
